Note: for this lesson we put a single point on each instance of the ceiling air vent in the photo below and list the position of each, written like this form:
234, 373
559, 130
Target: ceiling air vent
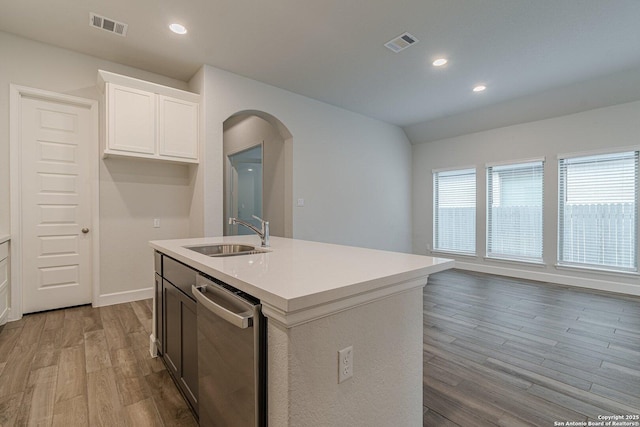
401, 42
108, 24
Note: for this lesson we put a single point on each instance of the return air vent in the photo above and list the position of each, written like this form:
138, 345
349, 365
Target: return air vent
108, 24
401, 42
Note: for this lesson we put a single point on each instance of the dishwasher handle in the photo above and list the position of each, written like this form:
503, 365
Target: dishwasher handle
242, 320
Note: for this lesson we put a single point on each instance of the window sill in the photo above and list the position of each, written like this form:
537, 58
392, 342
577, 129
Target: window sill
532, 263
457, 254
588, 269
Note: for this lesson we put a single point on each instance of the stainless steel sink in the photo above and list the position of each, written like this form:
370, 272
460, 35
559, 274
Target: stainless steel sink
225, 249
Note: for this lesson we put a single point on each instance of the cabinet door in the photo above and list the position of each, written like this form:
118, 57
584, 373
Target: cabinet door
181, 341
172, 328
131, 120
190, 351
159, 309
177, 128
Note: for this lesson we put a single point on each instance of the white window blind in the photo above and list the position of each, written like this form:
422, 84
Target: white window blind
515, 211
454, 227
598, 211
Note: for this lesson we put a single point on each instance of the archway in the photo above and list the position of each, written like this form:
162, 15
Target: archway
255, 142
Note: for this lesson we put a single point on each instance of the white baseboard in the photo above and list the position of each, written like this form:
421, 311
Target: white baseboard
561, 279
153, 348
126, 296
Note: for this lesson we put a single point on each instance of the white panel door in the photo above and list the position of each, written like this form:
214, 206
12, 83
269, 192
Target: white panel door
56, 210
4, 282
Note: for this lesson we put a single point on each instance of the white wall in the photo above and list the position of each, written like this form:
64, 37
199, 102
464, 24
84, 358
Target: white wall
132, 192
385, 389
599, 129
353, 171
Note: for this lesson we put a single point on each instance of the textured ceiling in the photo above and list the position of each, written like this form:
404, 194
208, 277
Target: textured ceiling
332, 50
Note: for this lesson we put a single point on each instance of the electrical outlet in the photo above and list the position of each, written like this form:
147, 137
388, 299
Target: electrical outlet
345, 364
156, 223
428, 246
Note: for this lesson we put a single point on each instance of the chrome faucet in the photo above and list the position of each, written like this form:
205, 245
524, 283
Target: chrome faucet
263, 232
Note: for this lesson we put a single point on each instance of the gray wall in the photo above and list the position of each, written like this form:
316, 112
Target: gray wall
595, 130
353, 172
132, 193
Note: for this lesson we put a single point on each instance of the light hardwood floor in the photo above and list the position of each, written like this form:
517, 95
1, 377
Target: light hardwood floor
86, 366
497, 352
509, 352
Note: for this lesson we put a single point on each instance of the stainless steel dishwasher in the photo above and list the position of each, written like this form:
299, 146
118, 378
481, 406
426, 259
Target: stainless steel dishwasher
231, 356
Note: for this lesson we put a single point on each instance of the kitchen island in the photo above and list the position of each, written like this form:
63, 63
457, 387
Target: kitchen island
321, 298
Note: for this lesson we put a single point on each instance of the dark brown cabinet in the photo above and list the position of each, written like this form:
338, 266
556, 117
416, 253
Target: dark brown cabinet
190, 352
173, 329
158, 307
181, 341
159, 315
178, 339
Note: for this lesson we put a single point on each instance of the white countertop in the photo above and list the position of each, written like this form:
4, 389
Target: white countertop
297, 274
4, 238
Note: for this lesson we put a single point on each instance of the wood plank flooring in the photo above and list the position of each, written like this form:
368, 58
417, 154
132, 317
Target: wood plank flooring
497, 352
86, 366
509, 352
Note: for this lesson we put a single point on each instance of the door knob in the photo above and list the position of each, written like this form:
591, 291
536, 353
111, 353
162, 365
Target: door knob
85, 230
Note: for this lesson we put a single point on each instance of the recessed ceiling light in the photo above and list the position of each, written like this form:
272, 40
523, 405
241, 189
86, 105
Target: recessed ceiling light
439, 62
479, 88
178, 29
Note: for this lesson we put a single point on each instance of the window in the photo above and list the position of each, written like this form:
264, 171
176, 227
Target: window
514, 211
598, 211
454, 216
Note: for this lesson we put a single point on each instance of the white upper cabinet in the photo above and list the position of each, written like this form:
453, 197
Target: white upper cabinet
177, 128
147, 120
131, 120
